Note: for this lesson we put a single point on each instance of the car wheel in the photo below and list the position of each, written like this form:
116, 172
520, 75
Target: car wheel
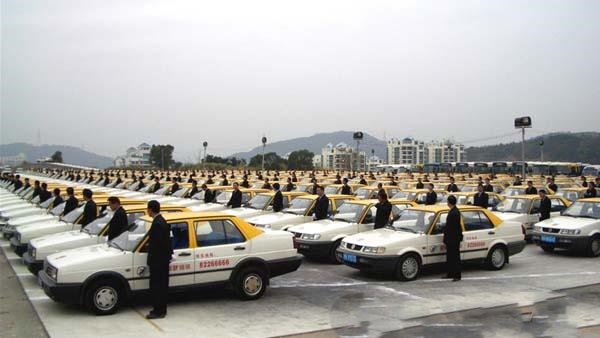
547, 248
593, 249
497, 258
333, 257
250, 283
408, 267
103, 297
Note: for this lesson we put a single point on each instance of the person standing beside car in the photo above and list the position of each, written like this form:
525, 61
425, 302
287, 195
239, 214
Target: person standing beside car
481, 198
431, 197
591, 190
530, 190
278, 198
208, 194
384, 209
235, 201
452, 187
346, 190
159, 256
322, 204
545, 205
118, 223
452, 238
90, 210
194, 190
71, 203
58, 200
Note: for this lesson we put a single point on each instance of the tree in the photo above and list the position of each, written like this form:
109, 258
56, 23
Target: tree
231, 161
57, 157
301, 160
272, 161
161, 155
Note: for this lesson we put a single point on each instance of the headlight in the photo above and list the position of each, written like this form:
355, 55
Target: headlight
570, 232
32, 251
373, 249
51, 271
537, 228
312, 237
18, 236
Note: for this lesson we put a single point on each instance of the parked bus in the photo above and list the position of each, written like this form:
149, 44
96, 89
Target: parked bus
481, 168
591, 170
431, 168
462, 168
501, 167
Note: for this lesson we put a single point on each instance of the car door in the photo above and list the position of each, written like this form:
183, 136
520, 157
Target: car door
436, 249
556, 207
220, 247
181, 268
368, 221
477, 235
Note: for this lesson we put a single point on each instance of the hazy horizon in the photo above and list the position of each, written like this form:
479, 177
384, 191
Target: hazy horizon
107, 75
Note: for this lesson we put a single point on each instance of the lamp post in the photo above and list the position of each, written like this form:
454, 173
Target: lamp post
264, 143
522, 123
204, 144
541, 150
357, 136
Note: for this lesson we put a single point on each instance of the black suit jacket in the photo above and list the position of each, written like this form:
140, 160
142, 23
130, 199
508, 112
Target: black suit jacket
590, 193
322, 208
57, 201
236, 199
346, 190
159, 243
70, 205
553, 187
481, 200
18, 184
118, 223
208, 196
174, 188
45, 195
488, 188
545, 207
193, 192
420, 185
530, 191
452, 188
90, 212
453, 229
431, 198
278, 201
382, 217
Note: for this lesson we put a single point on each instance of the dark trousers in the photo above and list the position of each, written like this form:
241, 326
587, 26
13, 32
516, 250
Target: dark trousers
453, 260
159, 287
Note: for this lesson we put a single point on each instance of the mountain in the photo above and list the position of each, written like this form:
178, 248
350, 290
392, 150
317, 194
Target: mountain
317, 142
561, 147
71, 155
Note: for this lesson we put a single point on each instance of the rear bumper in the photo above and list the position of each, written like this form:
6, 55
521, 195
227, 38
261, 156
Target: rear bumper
282, 266
314, 248
369, 263
18, 247
34, 266
575, 243
62, 293
516, 247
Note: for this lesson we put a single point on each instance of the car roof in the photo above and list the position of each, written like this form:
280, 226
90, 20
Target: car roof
180, 216
591, 199
144, 206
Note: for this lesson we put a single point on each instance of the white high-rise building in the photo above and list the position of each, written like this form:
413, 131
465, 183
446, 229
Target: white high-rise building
135, 157
342, 157
409, 151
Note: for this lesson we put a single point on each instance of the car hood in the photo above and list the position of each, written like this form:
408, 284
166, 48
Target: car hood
278, 217
31, 219
60, 238
566, 222
84, 255
321, 226
509, 216
381, 237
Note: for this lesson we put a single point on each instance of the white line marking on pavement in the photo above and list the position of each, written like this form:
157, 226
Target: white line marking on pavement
305, 285
35, 299
537, 275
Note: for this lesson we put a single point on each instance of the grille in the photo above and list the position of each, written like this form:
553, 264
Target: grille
554, 231
50, 270
354, 247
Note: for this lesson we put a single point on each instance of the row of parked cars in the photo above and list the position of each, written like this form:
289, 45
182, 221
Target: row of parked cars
245, 247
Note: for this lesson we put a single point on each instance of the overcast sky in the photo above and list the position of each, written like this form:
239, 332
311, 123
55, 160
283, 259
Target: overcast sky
106, 75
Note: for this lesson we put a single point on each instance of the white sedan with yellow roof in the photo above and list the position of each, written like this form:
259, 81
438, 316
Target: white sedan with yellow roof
416, 240
208, 248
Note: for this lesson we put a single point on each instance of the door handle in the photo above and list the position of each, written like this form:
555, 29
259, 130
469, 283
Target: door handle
238, 248
491, 233
184, 254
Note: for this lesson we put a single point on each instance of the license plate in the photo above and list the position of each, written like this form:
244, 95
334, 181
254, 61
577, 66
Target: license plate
303, 246
549, 239
349, 258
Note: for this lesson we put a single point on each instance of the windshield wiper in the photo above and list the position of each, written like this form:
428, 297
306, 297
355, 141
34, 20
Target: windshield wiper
407, 229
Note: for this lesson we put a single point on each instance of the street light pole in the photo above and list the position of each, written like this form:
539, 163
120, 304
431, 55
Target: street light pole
264, 143
542, 151
204, 144
522, 123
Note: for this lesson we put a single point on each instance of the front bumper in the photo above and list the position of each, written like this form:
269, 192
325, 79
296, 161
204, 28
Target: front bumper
282, 266
313, 248
380, 264
62, 293
33, 265
18, 247
575, 243
7, 233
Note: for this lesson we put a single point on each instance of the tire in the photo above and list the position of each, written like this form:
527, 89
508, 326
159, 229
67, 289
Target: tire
250, 283
104, 297
547, 248
333, 258
593, 248
497, 257
408, 268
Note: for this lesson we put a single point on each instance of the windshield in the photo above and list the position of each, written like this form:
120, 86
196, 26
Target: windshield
405, 195
58, 209
299, 206
349, 212
513, 191
46, 203
95, 227
331, 190
569, 195
73, 215
161, 191
583, 209
224, 197
259, 202
460, 199
363, 192
517, 205
128, 240
179, 193
416, 221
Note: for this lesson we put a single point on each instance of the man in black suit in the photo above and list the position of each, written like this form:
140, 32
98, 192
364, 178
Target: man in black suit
156, 185
591, 190
17, 182
420, 184
488, 187
209, 196
290, 185
452, 187
235, 201
194, 190
71, 203
90, 211
545, 205
346, 190
278, 198
481, 198
530, 190
322, 205
36, 189
26, 185
44, 193
362, 180
118, 223
452, 238
174, 188
551, 185
159, 256
384, 209
431, 197
141, 184
58, 200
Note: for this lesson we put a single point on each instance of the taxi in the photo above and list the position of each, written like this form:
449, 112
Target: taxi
577, 229
24, 233
320, 239
333, 189
208, 248
263, 204
418, 195
571, 194
517, 190
468, 198
526, 210
370, 192
94, 233
223, 198
300, 211
416, 240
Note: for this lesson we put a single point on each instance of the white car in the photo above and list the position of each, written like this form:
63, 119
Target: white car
10, 228
300, 211
320, 239
223, 198
525, 209
577, 229
262, 204
94, 233
416, 240
208, 248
